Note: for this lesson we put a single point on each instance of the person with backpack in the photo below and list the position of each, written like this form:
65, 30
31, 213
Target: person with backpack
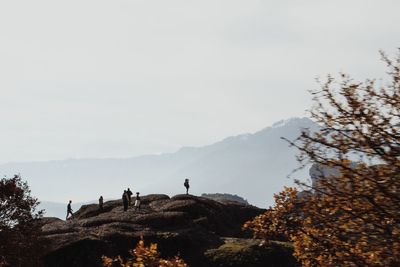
69, 210
186, 184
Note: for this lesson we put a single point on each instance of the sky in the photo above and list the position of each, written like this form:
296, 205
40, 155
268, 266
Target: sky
102, 79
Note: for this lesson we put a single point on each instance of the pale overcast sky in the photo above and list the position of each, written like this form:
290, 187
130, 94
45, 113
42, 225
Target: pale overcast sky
97, 78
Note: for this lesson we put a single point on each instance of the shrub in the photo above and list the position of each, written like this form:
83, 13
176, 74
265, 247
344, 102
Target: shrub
143, 256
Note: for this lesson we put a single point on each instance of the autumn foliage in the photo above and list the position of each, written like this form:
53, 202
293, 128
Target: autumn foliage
20, 243
351, 218
143, 256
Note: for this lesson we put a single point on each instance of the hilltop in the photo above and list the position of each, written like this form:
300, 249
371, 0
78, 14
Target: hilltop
225, 198
203, 231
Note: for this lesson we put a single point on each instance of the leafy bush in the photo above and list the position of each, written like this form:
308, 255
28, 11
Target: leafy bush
143, 256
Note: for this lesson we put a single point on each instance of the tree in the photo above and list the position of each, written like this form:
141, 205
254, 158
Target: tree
351, 218
20, 244
143, 256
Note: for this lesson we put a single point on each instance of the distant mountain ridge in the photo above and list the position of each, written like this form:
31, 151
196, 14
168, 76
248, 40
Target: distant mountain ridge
254, 166
225, 198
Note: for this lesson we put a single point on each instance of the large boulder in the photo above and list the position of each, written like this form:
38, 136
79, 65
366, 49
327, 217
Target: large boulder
183, 224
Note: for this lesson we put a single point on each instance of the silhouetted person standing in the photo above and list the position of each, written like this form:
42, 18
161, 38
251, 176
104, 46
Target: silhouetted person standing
129, 193
101, 203
186, 184
69, 210
125, 200
137, 201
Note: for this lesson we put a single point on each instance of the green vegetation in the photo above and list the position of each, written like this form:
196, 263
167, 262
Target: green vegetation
252, 253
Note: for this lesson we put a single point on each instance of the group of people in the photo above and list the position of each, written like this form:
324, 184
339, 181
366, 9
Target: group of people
126, 200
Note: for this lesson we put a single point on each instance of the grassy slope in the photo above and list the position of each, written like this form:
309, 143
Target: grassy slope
248, 252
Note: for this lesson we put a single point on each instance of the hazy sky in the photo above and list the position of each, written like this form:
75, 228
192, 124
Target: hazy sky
96, 78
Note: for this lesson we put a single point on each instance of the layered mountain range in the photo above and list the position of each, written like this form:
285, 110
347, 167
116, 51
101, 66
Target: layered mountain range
253, 166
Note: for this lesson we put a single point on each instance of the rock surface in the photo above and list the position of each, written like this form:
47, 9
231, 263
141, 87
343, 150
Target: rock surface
183, 224
225, 198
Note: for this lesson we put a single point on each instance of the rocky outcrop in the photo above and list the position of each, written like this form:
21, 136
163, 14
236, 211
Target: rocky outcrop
183, 224
225, 198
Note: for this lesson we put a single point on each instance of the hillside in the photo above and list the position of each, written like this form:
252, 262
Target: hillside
203, 231
253, 166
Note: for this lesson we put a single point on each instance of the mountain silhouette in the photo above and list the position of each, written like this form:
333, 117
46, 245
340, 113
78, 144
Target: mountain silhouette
253, 166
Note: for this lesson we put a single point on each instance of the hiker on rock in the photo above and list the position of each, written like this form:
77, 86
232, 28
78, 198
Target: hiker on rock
101, 203
69, 210
125, 200
137, 201
186, 184
129, 194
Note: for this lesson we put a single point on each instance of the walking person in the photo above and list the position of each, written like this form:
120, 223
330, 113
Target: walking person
125, 200
101, 203
69, 210
129, 193
186, 184
137, 201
